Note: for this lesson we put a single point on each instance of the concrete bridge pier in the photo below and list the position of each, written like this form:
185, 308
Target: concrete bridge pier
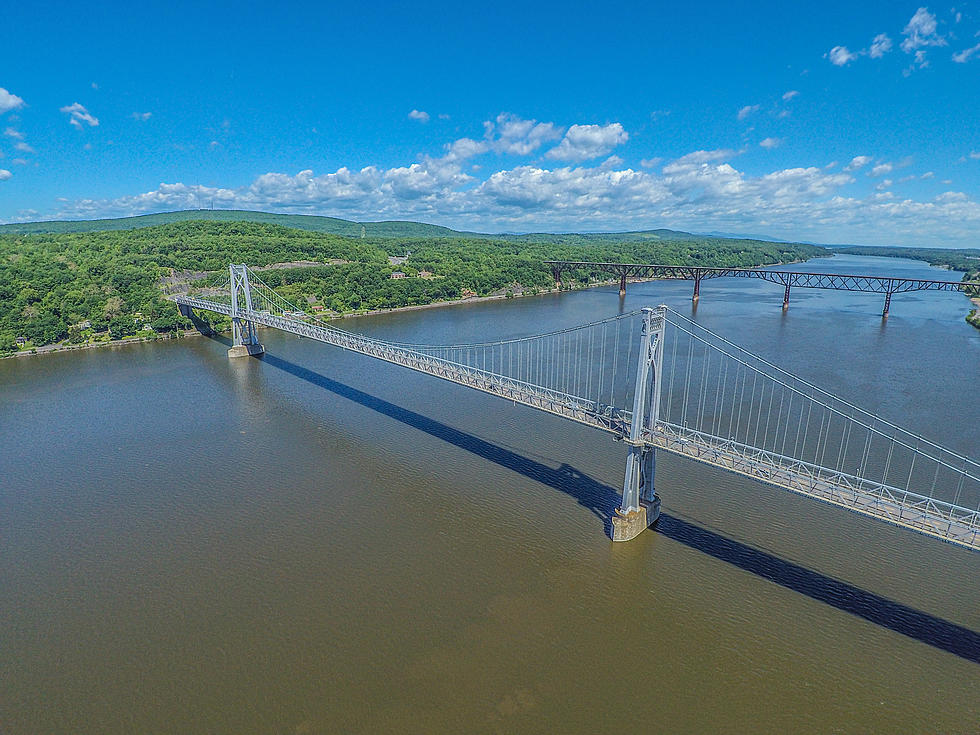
641, 504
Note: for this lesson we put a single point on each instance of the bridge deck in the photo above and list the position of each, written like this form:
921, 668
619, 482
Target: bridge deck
835, 281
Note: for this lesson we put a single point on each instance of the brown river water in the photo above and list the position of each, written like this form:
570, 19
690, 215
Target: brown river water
317, 542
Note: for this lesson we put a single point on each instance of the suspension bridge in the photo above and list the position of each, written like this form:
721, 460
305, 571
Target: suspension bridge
657, 380
788, 279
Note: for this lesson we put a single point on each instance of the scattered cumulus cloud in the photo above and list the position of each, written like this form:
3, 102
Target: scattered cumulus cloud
921, 33
787, 96
840, 56
975, 155
9, 102
512, 135
771, 142
4, 174
704, 189
746, 111
23, 147
13, 133
79, 116
966, 54
880, 46
142, 116
422, 117
443, 116
583, 142
928, 175
858, 162
699, 190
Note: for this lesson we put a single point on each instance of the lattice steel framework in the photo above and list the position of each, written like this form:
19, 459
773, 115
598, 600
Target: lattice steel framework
788, 279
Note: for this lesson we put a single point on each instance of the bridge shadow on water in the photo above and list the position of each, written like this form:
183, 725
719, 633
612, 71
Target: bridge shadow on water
602, 500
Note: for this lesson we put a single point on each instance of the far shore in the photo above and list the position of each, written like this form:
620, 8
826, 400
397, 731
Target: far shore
181, 334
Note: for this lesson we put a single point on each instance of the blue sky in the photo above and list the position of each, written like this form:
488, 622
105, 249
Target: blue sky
833, 122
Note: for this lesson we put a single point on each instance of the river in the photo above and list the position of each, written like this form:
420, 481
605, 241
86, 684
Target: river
316, 542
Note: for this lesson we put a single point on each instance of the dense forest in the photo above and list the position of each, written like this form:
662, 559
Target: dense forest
96, 286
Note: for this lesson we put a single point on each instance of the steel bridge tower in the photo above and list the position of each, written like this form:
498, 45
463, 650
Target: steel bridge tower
641, 505
246, 341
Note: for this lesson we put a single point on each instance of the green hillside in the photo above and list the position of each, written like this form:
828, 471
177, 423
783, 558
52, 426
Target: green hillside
331, 225
86, 287
312, 223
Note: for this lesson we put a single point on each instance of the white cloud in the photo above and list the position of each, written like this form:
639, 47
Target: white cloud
771, 142
23, 147
880, 46
787, 96
840, 56
746, 111
443, 116
510, 134
4, 174
142, 116
964, 56
928, 175
9, 102
699, 191
921, 33
858, 162
699, 157
13, 133
583, 142
651, 162
696, 191
79, 116
975, 155
881, 169
419, 115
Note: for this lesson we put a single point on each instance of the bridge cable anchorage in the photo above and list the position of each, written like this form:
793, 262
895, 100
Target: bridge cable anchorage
661, 381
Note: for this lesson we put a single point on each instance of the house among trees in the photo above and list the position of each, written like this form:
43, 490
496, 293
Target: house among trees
21, 341
397, 274
425, 274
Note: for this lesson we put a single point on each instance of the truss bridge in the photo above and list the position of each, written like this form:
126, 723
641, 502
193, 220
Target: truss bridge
788, 279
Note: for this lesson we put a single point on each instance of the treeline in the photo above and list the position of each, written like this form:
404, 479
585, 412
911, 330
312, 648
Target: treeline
77, 287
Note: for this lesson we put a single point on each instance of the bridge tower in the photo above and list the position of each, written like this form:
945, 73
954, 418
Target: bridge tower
246, 341
641, 505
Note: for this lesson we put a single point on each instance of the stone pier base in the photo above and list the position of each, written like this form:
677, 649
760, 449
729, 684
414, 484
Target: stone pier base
246, 350
626, 526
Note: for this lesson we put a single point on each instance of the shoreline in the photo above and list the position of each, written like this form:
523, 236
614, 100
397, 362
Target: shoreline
183, 334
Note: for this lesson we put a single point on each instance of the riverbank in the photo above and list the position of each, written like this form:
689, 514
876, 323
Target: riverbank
181, 334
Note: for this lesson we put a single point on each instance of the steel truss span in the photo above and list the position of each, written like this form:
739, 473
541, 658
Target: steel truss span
787, 279
659, 381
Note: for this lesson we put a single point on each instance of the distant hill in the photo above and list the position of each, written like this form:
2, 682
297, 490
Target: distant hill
332, 225
312, 223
